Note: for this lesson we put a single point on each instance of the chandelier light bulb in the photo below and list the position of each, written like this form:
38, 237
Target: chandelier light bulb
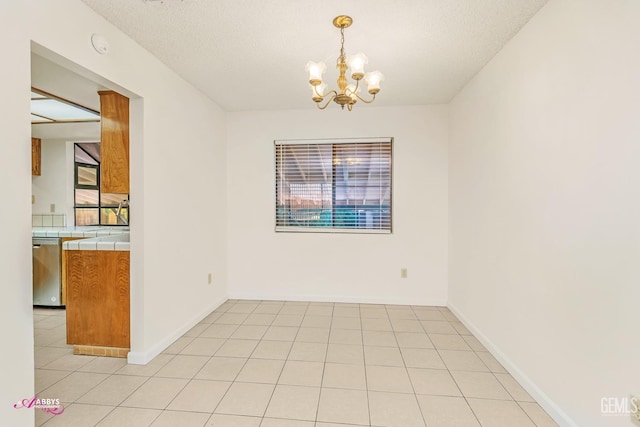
316, 69
373, 80
317, 92
356, 64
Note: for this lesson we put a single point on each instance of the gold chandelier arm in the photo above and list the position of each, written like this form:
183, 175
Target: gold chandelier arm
364, 100
333, 94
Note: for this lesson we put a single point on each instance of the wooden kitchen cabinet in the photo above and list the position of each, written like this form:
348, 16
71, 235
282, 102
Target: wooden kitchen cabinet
36, 156
114, 142
98, 301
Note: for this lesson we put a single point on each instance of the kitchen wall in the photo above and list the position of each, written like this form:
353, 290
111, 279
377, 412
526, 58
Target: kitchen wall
16, 357
544, 207
340, 267
55, 184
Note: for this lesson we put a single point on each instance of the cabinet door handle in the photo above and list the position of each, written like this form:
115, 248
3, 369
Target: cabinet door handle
36, 246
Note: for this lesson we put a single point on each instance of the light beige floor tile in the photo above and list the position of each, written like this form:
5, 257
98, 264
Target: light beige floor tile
231, 319
293, 309
219, 420
178, 345
317, 310
473, 343
338, 375
243, 308
460, 328
182, 419
237, 348
438, 327
383, 356
388, 378
297, 372
68, 362
449, 342
345, 336
308, 351
376, 324
203, 346
219, 331
491, 362
413, 340
394, 410
79, 415
196, 330
320, 335
346, 323
343, 406
199, 396
406, 325
281, 333
260, 319
537, 414
147, 370
514, 388
433, 381
461, 360
182, 366
422, 358
401, 314
278, 350
104, 365
499, 413
270, 309
46, 378
288, 320
246, 399
113, 390
345, 353
156, 393
249, 332
129, 417
261, 371
428, 314
482, 385
448, 315
313, 321
442, 411
321, 424
73, 386
221, 368
294, 402
279, 422
346, 311
211, 317
373, 313
379, 338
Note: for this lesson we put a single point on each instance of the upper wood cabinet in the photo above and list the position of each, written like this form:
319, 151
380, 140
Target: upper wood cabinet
36, 156
114, 142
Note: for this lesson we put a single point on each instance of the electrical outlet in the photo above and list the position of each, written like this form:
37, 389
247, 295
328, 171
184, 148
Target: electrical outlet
403, 273
210, 278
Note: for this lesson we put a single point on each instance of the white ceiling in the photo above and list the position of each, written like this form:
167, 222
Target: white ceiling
251, 54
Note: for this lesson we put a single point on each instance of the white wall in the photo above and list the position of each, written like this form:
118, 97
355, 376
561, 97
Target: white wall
16, 357
544, 207
52, 186
340, 267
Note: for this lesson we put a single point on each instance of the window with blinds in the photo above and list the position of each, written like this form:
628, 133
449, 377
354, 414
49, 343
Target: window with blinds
334, 185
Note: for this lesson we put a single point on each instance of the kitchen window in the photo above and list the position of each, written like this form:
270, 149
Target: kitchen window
334, 185
91, 206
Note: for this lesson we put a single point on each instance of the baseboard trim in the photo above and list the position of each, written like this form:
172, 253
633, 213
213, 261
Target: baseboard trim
531, 387
144, 357
336, 298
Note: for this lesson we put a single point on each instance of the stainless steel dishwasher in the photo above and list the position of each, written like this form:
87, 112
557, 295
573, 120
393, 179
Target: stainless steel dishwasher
47, 271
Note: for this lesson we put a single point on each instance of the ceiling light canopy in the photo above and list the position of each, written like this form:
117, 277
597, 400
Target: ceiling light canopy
347, 93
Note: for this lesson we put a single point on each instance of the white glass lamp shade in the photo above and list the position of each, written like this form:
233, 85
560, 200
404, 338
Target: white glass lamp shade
316, 69
373, 80
317, 92
351, 91
356, 63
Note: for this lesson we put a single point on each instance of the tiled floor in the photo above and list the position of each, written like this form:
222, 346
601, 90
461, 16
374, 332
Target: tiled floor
290, 364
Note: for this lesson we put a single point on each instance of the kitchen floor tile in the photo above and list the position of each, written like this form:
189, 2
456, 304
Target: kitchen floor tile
482, 385
129, 417
237, 348
221, 368
219, 420
46, 378
433, 381
394, 410
308, 351
345, 353
449, 342
376, 324
147, 370
178, 345
441, 411
413, 340
515, 390
319, 335
346, 323
294, 402
438, 327
199, 396
379, 338
80, 415
491, 362
156, 393
272, 350
182, 366
104, 365
249, 332
499, 413
461, 360
297, 372
537, 414
343, 406
281, 333
388, 378
383, 356
260, 319
246, 399
203, 346
288, 320
219, 331
113, 390
182, 419
73, 386
261, 371
313, 321
345, 336
422, 358
338, 375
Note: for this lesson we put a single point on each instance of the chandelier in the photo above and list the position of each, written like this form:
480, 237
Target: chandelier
347, 93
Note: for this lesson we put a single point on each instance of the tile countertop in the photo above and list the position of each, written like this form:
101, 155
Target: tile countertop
92, 238
114, 242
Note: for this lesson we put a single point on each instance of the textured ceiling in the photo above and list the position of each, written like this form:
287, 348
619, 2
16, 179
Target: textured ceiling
251, 54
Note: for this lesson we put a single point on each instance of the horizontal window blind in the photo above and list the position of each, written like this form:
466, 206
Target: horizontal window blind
333, 185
